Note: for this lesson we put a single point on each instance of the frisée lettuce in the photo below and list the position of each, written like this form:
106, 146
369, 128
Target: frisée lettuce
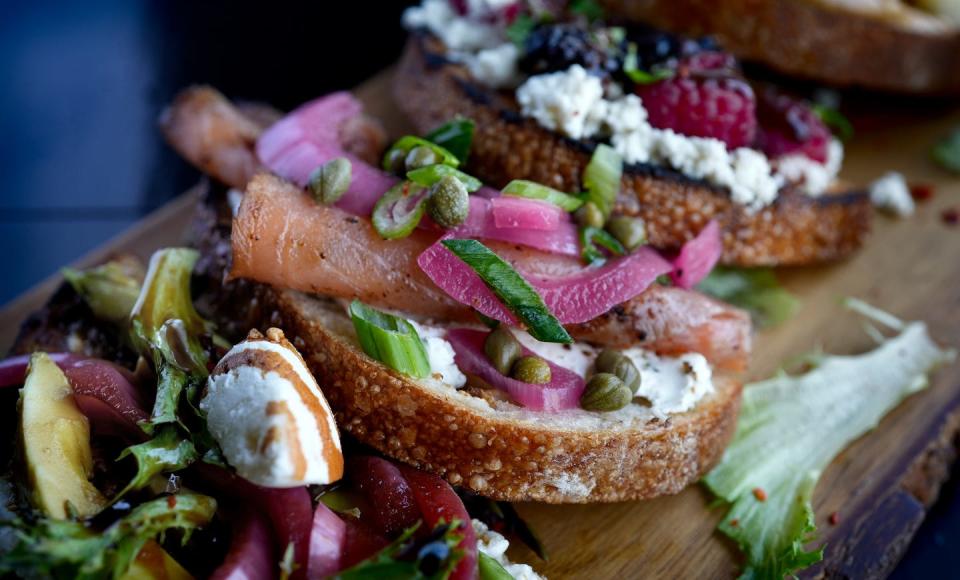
791, 428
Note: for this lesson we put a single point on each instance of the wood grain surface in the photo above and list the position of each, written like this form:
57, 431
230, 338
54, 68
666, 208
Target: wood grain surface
879, 488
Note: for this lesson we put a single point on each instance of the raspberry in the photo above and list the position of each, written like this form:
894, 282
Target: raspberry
704, 99
788, 125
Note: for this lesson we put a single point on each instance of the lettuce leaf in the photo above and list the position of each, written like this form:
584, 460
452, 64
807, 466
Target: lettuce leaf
756, 290
791, 428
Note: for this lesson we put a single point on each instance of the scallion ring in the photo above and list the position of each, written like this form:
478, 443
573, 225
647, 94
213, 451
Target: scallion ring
531, 190
400, 210
430, 175
390, 339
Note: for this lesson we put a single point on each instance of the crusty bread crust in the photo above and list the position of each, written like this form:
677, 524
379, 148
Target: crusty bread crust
505, 452
898, 50
795, 230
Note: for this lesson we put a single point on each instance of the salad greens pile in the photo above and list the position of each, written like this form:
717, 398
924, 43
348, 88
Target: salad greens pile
756, 290
791, 428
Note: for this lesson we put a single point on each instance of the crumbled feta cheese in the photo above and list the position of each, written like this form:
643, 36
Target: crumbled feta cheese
495, 546
812, 177
457, 32
441, 355
570, 102
495, 67
891, 194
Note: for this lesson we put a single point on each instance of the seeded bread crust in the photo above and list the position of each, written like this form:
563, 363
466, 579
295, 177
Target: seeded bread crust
507, 455
818, 40
795, 230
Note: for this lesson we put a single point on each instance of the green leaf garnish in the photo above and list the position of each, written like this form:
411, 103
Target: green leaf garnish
756, 290
587, 8
947, 152
601, 177
455, 136
631, 67
838, 123
429, 175
166, 452
511, 289
521, 27
390, 339
111, 289
791, 428
70, 549
490, 569
590, 238
531, 190
412, 559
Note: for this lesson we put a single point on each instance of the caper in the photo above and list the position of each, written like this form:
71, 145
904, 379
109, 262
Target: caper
331, 180
449, 202
531, 369
502, 350
605, 392
396, 161
421, 156
589, 216
629, 231
619, 364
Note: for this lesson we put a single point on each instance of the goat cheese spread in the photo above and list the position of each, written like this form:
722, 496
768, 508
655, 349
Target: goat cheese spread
440, 354
669, 384
495, 546
891, 194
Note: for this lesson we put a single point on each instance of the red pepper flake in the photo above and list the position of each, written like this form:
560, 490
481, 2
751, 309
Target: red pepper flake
834, 518
734, 523
171, 501
921, 191
759, 494
950, 216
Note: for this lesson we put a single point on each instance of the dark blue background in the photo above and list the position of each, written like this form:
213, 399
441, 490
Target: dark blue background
81, 159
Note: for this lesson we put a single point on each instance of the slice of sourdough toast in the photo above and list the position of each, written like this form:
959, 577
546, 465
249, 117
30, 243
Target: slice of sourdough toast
890, 46
472, 437
795, 230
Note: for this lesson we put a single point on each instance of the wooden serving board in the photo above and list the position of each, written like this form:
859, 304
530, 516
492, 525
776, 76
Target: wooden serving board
880, 487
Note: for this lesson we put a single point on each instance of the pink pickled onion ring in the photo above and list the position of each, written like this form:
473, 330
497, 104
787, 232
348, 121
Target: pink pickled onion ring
530, 214
572, 299
562, 392
697, 257
310, 136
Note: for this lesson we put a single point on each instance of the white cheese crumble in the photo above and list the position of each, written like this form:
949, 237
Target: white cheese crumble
440, 353
891, 194
495, 546
813, 178
572, 102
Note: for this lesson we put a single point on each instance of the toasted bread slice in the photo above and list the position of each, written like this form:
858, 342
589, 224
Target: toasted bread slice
890, 46
472, 437
794, 230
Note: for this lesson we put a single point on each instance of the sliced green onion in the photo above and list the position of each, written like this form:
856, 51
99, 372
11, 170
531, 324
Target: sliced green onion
513, 291
429, 175
390, 339
835, 120
602, 177
531, 190
591, 237
455, 136
400, 210
490, 569
518, 30
405, 144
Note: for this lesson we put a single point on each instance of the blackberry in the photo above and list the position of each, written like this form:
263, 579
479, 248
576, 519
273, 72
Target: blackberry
556, 47
657, 47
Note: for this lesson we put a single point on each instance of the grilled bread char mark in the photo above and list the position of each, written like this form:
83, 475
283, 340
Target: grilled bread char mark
794, 230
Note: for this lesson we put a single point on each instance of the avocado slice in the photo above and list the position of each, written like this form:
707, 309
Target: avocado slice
56, 443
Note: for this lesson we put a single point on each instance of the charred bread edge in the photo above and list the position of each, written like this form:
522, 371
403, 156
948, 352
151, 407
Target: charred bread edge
481, 95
